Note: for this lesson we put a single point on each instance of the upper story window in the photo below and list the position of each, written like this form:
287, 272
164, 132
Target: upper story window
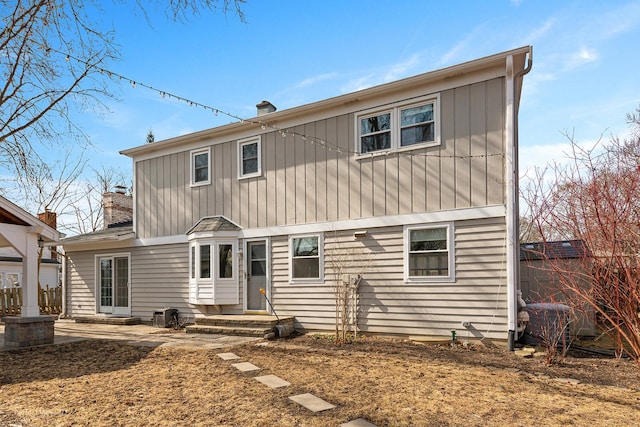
249, 158
201, 167
306, 258
401, 126
375, 133
429, 253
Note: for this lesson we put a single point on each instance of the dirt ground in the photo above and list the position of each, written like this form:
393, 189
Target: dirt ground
389, 382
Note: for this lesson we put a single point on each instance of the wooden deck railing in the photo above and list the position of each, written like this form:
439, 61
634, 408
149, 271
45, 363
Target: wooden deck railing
49, 300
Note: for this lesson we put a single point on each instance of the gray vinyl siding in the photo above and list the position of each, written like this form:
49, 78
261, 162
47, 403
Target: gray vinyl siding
305, 183
389, 305
80, 287
159, 279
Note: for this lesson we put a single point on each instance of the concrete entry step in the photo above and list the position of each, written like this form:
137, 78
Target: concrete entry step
228, 330
254, 325
108, 320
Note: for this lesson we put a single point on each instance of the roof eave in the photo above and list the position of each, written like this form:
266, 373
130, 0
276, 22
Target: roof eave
375, 91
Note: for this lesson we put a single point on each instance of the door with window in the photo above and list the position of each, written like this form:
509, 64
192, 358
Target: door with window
256, 276
113, 281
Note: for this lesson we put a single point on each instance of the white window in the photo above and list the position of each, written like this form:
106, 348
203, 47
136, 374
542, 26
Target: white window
401, 126
213, 272
225, 255
201, 167
213, 259
375, 132
429, 253
249, 158
306, 258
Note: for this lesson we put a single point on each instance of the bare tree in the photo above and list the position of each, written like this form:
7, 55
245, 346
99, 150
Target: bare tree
86, 212
595, 199
349, 259
53, 59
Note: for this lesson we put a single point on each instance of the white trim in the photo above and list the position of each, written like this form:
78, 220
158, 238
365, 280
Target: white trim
511, 171
451, 277
495, 211
246, 141
164, 240
98, 285
246, 260
234, 259
394, 110
192, 166
434, 81
314, 280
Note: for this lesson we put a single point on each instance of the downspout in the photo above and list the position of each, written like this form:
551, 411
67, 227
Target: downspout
513, 194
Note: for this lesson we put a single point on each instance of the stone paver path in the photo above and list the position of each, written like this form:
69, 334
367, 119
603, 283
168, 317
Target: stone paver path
307, 400
245, 367
228, 356
358, 423
311, 402
273, 381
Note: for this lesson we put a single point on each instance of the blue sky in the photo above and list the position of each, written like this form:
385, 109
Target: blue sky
584, 78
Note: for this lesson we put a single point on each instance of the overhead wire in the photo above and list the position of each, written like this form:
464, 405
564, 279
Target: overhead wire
330, 146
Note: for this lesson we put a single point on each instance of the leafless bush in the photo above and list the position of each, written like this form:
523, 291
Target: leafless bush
595, 199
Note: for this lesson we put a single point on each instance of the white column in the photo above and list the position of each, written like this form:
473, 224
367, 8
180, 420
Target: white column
30, 306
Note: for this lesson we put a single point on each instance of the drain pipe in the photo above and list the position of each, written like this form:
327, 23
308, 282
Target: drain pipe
513, 193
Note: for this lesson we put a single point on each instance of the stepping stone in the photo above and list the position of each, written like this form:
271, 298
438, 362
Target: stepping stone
311, 402
273, 381
245, 367
358, 423
228, 356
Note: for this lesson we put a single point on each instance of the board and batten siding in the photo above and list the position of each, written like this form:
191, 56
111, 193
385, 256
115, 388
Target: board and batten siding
305, 183
387, 304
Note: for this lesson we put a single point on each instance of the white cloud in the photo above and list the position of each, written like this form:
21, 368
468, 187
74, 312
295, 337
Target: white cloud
401, 69
359, 83
539, 32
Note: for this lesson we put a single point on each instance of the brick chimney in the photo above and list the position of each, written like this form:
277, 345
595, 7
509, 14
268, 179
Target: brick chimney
265, 107
51, 219
118, 207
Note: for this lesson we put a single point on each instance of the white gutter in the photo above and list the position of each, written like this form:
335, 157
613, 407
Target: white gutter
512, 193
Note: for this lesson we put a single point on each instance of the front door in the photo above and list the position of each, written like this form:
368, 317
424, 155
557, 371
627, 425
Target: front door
114, 285
256, 276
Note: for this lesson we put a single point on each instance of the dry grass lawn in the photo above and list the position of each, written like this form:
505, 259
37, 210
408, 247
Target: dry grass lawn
388, 382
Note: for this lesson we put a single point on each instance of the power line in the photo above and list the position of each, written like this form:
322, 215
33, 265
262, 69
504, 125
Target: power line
330, 146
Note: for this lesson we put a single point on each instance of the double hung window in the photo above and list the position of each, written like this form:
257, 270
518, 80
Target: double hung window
429, 253
201, 167
249, 158
401, 126
306, 260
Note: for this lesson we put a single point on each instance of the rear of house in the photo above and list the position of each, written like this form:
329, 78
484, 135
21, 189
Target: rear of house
408, 185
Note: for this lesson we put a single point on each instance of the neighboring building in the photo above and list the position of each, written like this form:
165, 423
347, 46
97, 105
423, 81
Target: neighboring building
411, 183
542, 263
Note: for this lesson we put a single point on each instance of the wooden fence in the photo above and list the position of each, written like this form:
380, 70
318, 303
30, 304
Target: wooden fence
49, 300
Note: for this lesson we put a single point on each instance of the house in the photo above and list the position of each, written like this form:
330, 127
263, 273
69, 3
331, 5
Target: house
411, 184
22, 238
541, 266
